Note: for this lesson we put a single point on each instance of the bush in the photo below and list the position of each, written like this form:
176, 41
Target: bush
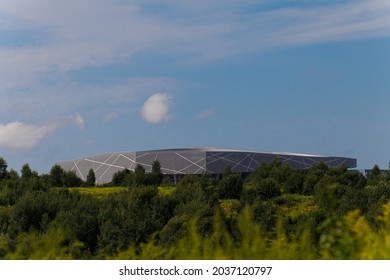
267, 188
265, 214
80, 223
231, 187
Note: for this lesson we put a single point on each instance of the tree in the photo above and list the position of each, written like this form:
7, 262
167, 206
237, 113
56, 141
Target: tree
231, 185
156, 175
375, 175
26, 171
227, 171
91, 179
388, 173
139, 175
3, 168
81, 223
119, 177
375, 172
128, 218
264, 213
267, 188
70, 180
56, 174
139, 169
314, 175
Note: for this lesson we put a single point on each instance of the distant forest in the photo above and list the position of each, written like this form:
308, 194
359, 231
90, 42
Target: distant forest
275, 213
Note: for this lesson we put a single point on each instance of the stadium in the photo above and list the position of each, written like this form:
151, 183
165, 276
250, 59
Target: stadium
179, 162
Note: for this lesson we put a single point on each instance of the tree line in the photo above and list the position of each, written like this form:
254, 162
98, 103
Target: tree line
199, 217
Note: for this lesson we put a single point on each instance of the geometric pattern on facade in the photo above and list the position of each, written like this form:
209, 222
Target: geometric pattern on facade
192, 161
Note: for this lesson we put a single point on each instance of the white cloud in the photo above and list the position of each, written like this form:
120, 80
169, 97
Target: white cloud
18, 136
156, 108
205, 114
90, 34
79, 121
21, 136
336, 22
45, 101
110, 116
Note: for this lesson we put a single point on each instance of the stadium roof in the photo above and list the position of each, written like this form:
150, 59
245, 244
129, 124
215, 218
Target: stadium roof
184, 161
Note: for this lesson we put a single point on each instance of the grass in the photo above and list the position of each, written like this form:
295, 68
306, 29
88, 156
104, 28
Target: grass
99, 192
102, 192
166, 190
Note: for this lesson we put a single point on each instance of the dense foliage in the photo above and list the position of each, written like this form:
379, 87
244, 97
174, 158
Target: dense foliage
276, 213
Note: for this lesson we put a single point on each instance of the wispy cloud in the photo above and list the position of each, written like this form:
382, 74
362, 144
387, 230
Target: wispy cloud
78, 120
110, 116
205, 114
35, 74
338, 22
40, 102
156, 108
96, 32
112, 31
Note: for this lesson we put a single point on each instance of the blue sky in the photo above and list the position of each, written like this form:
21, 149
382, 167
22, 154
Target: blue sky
92, 76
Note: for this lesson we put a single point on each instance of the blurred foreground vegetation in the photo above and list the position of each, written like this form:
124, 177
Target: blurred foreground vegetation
276, 213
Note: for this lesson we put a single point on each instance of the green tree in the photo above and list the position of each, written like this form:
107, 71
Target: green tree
139, 175
128, 218
314, 175
91, 179
156, 175
13, 175
265, 214
26, 171
231, 185
3, 168
267, 188
388, 173
375, 175
192, 205
375, 172
139, 169
294, 183
119, 177
227, 171
56, 174
70, 180
81, 224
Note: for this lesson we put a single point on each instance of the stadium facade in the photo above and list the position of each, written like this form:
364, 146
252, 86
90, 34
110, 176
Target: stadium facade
178, 162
